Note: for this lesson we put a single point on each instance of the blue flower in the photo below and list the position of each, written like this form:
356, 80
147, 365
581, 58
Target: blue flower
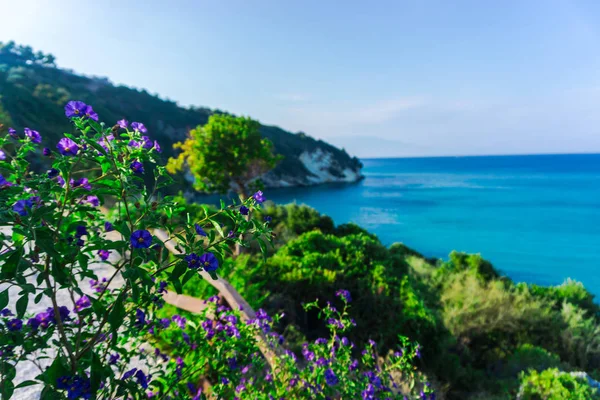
344, 294
330, 378
53, 172
122, 123
14, 325
244, 210
209, 262
4, 182
141, 239
45, 151
142, 379
113, 358
137, 167
199, 230
22, 206
140, 318
268, 218
193, 261
108, 227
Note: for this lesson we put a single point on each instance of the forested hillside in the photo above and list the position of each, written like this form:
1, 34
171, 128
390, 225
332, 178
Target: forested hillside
33, 91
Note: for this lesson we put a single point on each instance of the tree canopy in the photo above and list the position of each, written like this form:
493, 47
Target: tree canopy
228, 153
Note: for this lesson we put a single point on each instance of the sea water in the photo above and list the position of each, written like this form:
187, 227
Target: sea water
536, 218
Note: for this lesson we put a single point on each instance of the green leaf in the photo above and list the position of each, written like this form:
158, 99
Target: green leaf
22, 305
213, 275
6, 389
26, 383
116, 316
9, 269
4, 299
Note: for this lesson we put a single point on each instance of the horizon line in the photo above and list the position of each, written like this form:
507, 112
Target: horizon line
484, 155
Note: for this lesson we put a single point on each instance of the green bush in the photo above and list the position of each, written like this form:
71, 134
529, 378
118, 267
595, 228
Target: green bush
552, 384
316, 263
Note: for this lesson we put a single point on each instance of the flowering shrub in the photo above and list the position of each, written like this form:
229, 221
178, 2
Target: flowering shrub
53, 235
219, 346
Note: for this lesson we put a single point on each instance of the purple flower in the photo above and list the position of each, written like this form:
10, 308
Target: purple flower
46, 151
138, 126
99, 287
224, 381
123, 123
140, 318
14, 325
93, 200
209, 262
80, 231
133, 143
164, 323
108, 227
4, 182
113, 358
179, 320
90, 113
244, 210
141, 379
199, 230
22, 206
162, 287
12, 132
75, 109
147, 142
137, 167
3, 155
129, 373
83, 183
259, 197
268, 218
67, 147
157, 147
330, 378
103, 254
53, 172
192, 260
33, 135
6, 313
104, 142
63, 382
82, 303
141, 239
344, 294
353, 365
418, 351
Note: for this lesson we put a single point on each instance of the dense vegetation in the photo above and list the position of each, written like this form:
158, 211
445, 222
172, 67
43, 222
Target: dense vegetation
33, 91
481, 334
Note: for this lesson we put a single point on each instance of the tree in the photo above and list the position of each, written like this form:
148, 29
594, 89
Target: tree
228, 153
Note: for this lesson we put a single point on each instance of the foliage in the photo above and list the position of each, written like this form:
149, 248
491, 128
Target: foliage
328, 368
552, 384
54, 231
226, 153
316, 263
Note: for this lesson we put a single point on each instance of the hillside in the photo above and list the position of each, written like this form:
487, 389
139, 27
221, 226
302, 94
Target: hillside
33, 90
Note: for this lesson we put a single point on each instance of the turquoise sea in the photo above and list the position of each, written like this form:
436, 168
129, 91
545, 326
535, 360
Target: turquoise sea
536, 218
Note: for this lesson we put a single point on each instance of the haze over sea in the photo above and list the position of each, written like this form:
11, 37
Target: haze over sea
536, 218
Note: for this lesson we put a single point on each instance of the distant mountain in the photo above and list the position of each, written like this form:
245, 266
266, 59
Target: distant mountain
33, 91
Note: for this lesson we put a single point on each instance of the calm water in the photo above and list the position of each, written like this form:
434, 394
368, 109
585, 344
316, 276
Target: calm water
536, 218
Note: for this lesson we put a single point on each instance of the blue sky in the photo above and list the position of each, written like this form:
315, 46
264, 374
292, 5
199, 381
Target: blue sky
385, 78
